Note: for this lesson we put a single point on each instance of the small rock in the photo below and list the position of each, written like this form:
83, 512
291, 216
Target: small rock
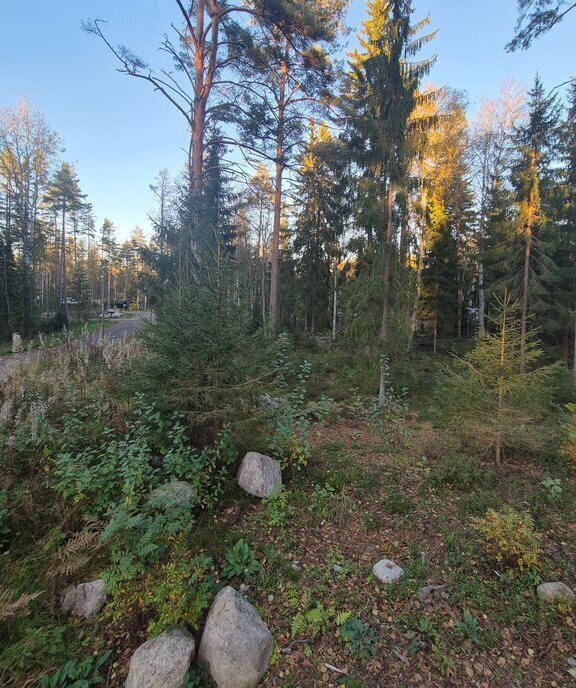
427, 590
259, 475
337, 568
268, 401
162, 662
84, 600
177, 493
236, 644
553, 592
387, 571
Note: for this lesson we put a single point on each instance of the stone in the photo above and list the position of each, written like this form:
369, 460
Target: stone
84, 600
554, 592
162, 662
427, 590
386, 571
259, 475
177, 493
236, 644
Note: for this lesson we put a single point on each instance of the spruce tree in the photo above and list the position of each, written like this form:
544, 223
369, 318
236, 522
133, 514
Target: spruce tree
536, 143
381, 95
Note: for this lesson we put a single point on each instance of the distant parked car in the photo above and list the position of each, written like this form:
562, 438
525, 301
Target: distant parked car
111, 313
120, 303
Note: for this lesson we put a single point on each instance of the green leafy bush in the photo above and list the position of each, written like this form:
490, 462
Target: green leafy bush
240, 562
277, 508
360, 638
326, 503
289, 413
569, 445
459, 472
171, 593
468, 627
77, 674
121, 471
509, 537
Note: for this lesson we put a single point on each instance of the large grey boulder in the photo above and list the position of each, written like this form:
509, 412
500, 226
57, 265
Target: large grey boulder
162, 662
84, 600
177, 493
554, 592
236, 644
386, 571
259, 475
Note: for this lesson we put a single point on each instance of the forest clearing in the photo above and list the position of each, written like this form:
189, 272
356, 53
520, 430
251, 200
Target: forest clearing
314, 423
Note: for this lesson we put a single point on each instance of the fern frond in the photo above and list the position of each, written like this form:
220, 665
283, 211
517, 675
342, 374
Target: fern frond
11, 608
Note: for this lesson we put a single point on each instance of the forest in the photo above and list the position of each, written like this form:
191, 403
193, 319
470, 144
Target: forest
338, 445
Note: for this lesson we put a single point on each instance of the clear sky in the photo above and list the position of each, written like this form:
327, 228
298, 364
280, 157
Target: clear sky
118, 133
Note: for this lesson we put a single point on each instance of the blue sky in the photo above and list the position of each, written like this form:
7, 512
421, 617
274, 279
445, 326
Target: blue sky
118, 133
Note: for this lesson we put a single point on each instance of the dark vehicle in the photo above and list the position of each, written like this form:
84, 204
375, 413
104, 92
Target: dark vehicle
120, 303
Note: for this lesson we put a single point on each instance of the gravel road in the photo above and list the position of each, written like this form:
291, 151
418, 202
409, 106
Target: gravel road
124, 327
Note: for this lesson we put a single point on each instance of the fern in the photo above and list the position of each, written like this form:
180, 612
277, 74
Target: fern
298, 625
342, 617
75, 554
11, 608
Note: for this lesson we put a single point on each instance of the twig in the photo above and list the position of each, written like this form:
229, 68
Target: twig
333, 668
288, 649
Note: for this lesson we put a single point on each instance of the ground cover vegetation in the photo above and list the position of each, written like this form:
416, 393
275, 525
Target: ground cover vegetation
384, 304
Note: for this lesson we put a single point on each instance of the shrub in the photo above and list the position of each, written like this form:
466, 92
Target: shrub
240, 561
120, 471
459, 472
174, 592
277, 508
289, 414
509, 537
326, 503
569, 445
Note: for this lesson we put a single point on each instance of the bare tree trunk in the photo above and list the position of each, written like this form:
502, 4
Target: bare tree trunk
64, 295
500, 409
420, 267
334, 303
481, 299
278, 196
526, 278
387, 263
459, 294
